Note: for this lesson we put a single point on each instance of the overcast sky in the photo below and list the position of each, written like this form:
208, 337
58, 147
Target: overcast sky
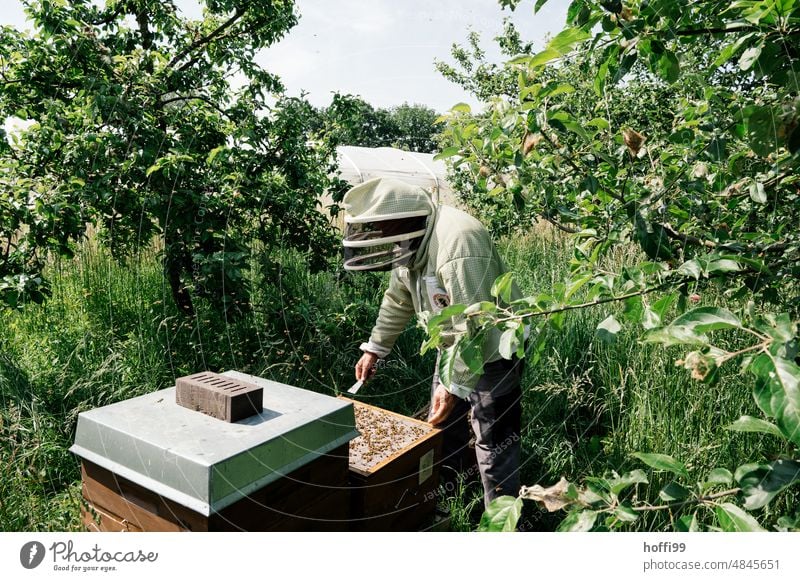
382, 50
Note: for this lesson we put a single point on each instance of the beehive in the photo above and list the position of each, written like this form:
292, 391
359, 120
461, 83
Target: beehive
150, 464
394, 470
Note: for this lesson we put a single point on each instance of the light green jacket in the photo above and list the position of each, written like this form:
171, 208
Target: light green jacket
455, 264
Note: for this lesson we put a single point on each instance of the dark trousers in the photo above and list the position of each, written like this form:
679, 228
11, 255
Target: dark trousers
496, 405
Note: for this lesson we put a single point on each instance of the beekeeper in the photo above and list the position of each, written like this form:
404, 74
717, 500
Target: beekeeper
438, 256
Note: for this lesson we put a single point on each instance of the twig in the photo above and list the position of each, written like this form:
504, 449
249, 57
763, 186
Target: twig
589, 304
207, 38
8, 248
655, 197
735, 29
645, 291
559, 225
718, 30
688, 238
621, 195
191, 98
554, 146
681, 503
109, 18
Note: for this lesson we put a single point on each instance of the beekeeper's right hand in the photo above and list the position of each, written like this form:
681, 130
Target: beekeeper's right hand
365, 368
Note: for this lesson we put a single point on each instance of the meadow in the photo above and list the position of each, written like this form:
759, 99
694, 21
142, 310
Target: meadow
110, 332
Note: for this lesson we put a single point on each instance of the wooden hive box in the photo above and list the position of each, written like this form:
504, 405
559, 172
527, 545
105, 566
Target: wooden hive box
149, 464
394, 470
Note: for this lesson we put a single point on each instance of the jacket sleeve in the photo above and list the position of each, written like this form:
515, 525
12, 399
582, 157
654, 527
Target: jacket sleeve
468, 281
396, 310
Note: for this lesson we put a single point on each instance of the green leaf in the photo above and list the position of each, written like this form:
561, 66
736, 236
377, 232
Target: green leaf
662, 462
757, 193
597, 491
674, 335
668, 67
734, 519
578, 13
153, 168
447, 152
717, 477
461, 108
557, 89
663, 304
751, 424
788, 524
433, 341
720, 476
600, 78
521, 341
728, 51
755, 264
471, 352
628, 479
501, 515
672, 492
687, 524
598, 122
703, 319
445, 315
538, 6
576, 284
578, 522
544, 57
520, 59
762, 130
625, 513
785, 7
650, 319
562, 120
447, 361
760, 483
213, 154
501, 287
780, 328
722, 265
566, 40
481, 307
607, 329
633, 310
777, 392
691, 268
749, 57
508, 343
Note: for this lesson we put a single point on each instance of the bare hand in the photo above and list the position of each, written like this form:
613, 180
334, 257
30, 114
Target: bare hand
441, 406
365, 368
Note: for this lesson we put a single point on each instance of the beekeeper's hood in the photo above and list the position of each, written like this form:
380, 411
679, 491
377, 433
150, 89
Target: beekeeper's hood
387, 222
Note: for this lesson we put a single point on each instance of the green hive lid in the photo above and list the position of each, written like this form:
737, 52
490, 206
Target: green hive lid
204, 463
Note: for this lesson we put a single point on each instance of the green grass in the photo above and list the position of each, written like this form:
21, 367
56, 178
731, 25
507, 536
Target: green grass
111, 332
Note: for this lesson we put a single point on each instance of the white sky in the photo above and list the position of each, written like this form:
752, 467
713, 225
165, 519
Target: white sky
382, 50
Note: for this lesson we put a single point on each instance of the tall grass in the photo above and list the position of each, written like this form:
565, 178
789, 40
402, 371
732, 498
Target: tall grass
110, 332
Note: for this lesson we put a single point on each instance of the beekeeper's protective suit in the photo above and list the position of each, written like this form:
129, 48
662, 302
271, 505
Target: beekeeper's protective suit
438, 256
